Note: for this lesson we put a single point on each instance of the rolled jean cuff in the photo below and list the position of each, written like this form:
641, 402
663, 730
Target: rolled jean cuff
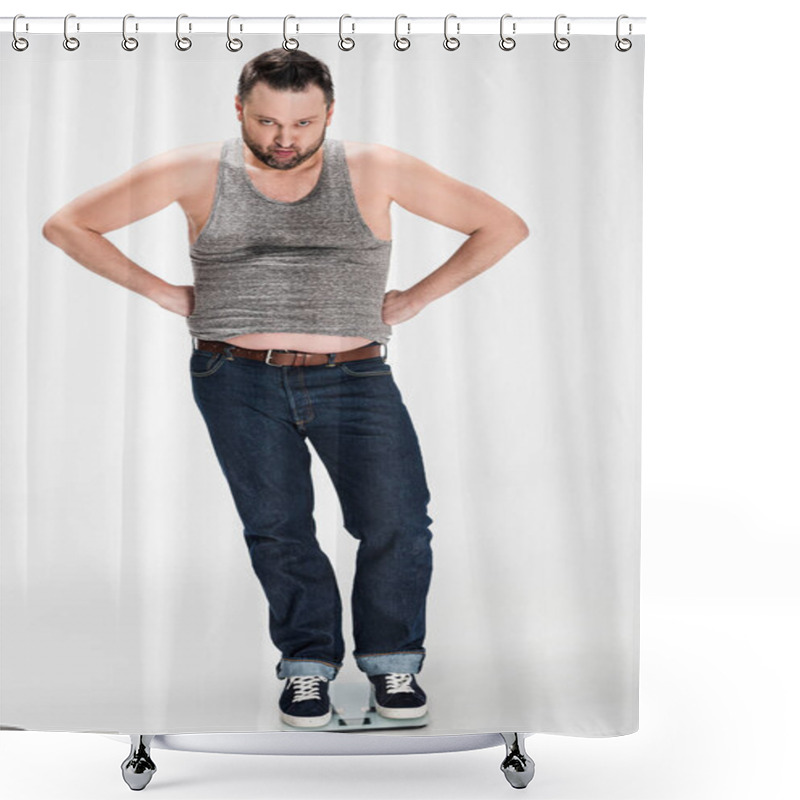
381, 663
289, 667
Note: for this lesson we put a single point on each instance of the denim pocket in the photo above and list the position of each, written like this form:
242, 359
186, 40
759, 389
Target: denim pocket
204, 363
366, 367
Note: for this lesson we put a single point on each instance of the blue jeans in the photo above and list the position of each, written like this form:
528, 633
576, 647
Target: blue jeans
259, 416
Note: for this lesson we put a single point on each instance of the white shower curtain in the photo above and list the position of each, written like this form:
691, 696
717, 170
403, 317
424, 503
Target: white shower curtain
128, 598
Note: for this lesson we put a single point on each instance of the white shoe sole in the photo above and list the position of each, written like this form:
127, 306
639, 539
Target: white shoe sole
401, 713
306, 722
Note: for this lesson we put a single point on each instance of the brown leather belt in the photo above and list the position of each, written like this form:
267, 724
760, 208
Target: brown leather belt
290, 358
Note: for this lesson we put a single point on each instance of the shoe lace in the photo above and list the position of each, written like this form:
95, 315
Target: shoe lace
306, 687
398, 682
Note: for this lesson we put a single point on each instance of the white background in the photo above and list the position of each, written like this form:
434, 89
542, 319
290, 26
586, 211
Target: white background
720, 527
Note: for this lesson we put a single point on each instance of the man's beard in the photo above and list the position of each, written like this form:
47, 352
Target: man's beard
266, 156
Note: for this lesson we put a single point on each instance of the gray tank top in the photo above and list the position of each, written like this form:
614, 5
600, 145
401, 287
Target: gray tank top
309, 266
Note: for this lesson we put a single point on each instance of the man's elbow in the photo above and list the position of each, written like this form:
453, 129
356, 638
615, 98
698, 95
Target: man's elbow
518, 228
50, 228
56, 227
509, 226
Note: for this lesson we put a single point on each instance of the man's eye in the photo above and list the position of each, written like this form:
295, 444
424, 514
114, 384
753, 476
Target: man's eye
266, 121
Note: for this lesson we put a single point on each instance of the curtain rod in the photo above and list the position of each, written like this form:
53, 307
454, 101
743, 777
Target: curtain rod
299, 25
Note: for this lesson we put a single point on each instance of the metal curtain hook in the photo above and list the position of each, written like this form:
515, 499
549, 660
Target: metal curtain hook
182, 42
346, 43
70, 42
18, 42
234, 45
401, 42
623, 45
561, 43
128, 42
506, 42
451, 42
286, 40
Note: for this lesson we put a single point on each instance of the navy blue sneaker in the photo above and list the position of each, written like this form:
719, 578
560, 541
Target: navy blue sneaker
397, 695
304, 701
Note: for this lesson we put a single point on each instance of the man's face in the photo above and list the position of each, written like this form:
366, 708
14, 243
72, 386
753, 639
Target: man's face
283, 128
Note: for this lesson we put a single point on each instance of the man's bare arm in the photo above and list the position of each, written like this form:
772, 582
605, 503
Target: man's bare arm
78, 227
493, 228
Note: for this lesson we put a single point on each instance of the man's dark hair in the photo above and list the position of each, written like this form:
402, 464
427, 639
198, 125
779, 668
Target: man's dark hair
287, 70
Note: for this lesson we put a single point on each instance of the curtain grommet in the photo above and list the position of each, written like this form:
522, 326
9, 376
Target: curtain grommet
19, 43
401, 42
345, 42
507, 42
286, 40
622, 44
234, 45
128, 43
451, 42
183, 43
561, 43
71, 43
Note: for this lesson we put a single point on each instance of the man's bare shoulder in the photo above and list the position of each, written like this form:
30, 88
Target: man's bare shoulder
372, 158
188, 168
369, 152
192, 156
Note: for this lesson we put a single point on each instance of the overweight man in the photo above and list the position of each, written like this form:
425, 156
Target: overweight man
289, 239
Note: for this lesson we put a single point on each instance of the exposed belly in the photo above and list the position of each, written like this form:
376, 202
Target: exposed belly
303, 342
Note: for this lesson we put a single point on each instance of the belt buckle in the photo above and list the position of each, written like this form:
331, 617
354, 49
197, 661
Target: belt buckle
294, 358
267, 359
